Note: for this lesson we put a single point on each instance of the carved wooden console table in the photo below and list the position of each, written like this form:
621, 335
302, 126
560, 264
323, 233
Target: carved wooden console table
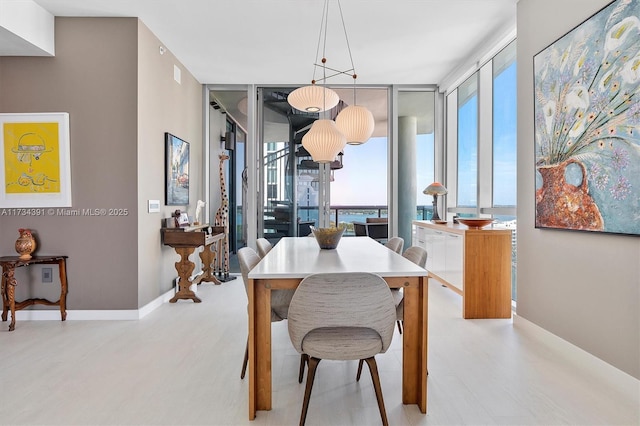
185, 240
9, 282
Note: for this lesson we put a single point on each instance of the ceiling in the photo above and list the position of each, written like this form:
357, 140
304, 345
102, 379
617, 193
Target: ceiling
275, 41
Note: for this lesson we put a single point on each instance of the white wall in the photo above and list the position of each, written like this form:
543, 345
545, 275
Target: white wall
583, 287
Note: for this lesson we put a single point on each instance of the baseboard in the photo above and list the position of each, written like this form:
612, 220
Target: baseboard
102, 315
97, 315
616, 378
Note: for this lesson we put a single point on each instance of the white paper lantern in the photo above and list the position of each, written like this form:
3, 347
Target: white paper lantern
356, 123
323, 141
313, 98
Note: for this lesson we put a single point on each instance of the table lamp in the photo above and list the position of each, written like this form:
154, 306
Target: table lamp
435, 189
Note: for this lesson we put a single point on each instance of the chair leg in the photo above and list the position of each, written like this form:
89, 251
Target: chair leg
304, 359
373, 368
399, 326
313, 364
359, 370
246, 360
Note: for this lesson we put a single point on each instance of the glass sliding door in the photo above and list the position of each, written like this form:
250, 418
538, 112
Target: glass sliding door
289, 182
359, 182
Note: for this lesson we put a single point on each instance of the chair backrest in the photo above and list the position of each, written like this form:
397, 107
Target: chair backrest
396, 244
348, 299
417, 255
280, 299
376, 220
264, 246
248, 258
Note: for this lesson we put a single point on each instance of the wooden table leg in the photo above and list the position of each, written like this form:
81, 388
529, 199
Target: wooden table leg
208, 273
259, 347
414, 343
185, 268
5, 297
62, 269
10, 283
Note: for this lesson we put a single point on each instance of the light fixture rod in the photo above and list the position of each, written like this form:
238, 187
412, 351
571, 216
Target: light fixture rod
344, 28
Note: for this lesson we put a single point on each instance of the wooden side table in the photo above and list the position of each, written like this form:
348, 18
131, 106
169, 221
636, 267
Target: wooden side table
9, 282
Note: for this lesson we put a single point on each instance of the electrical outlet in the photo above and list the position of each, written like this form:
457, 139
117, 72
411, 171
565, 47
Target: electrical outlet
47, 275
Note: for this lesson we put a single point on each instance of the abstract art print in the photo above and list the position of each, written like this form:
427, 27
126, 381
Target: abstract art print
587, 125
176, 171
35, 158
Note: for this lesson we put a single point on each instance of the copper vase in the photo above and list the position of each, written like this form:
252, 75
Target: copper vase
25, 244
560, 204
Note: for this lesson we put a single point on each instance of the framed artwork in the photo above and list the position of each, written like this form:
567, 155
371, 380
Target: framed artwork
587, 125
36, 160
176, 171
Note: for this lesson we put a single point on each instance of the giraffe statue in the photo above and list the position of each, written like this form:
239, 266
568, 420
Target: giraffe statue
222, 220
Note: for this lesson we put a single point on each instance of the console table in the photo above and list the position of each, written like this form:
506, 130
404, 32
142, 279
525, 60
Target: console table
9, 282
185, 240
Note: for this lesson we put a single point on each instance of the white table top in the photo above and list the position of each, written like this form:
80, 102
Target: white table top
299, 257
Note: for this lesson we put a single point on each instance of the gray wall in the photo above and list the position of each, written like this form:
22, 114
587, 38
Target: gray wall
100, 78
582, 287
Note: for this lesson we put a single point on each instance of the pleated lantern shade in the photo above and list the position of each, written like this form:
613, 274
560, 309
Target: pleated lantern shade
356, 123
313, 98
324, 141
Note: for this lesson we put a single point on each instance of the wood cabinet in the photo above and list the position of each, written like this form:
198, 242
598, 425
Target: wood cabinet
476, 263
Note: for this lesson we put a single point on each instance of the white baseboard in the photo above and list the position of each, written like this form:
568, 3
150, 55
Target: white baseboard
97, 315
102, 315
616, 378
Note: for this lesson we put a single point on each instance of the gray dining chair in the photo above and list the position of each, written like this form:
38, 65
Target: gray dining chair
280, 299
417, 255
264, 246
395, 243
342, 316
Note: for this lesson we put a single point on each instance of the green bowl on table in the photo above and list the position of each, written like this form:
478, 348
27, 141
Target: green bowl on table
328, 238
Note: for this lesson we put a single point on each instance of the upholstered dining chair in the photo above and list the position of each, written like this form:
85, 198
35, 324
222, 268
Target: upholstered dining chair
417, 255
280, 299
396, 244
264, 246
342, 316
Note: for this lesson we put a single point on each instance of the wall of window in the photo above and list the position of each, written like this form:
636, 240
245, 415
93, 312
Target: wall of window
480, 122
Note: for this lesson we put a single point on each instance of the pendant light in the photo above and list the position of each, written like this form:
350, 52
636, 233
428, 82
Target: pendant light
354, 123
323, 141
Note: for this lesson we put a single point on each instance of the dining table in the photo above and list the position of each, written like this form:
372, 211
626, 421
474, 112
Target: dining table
294, 258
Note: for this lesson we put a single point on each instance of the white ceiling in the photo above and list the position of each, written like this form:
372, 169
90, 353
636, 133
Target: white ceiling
275, 41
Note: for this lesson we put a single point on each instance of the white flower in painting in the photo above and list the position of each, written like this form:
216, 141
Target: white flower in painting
577, 129
630, 72
619, 32
564, 59
549, 110
578, 97
580, 62
603, 85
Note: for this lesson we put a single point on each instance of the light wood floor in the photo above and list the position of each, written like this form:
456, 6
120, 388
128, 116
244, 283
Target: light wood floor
180, 365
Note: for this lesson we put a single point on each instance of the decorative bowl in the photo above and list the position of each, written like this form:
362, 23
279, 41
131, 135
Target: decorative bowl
475, 222
328, 238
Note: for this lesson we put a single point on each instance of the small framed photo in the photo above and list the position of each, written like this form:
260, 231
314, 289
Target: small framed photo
183, 219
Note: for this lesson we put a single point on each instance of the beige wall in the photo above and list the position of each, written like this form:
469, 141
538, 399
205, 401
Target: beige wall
582, 287
164, 105
107, 74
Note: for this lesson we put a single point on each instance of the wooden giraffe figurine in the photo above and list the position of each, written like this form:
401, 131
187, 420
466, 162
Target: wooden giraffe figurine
222, 220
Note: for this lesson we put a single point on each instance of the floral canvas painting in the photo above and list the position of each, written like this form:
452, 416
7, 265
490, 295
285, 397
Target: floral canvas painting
587, 125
